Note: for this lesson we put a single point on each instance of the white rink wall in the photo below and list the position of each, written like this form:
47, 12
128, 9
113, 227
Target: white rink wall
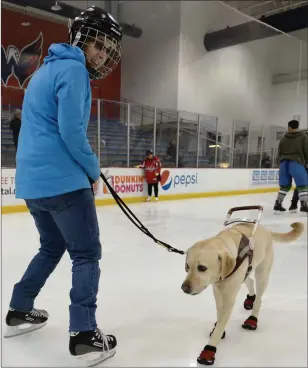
175, 184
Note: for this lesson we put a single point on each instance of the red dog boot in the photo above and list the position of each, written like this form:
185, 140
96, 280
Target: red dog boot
223, 335
207, 356
248, 303
251, 323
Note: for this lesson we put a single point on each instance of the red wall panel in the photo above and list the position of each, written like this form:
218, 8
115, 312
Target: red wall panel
36, 38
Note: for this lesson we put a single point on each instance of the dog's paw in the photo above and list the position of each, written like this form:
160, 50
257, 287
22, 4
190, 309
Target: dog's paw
223, 335
207, 355
251, 323
248, 303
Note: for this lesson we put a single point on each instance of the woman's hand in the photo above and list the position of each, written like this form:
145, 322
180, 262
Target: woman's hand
95, 186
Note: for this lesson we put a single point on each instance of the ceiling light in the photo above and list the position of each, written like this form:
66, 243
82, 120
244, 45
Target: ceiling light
214, 146
25, 23
56, 7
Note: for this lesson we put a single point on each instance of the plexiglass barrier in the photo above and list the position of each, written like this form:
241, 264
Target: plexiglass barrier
120, 133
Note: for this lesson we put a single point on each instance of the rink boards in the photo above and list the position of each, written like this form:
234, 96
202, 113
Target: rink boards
175, 184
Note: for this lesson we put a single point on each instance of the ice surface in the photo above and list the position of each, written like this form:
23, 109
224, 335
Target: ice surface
140, 298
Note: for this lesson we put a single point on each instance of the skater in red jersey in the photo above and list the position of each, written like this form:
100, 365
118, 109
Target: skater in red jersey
152, 166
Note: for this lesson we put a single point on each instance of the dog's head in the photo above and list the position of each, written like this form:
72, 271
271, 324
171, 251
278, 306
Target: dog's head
206, 263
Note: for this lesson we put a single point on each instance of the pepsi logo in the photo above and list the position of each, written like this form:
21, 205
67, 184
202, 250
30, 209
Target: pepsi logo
166, 180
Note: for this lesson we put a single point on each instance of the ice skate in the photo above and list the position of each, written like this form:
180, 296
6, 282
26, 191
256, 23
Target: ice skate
304, 209
156, 198
18, 323
148, 199
92, 347
278, 209
293, 207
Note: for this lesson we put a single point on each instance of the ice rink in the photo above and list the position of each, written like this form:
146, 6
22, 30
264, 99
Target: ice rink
140, 299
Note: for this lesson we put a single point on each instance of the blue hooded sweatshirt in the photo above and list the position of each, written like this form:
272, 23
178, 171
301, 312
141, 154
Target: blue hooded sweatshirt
54, 155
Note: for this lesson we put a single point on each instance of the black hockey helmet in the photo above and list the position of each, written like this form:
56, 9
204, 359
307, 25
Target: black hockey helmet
149, 152
95, 27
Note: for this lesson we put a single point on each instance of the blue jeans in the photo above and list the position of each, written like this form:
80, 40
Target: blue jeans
65, 222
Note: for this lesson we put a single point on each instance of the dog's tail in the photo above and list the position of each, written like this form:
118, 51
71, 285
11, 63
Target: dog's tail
292, 235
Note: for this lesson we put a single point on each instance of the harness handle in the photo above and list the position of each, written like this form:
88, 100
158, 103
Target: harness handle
244, 208
256, 222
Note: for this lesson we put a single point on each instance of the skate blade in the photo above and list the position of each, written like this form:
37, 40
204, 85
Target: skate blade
293, 211
303, 214
94, 358
278, 213
12, 331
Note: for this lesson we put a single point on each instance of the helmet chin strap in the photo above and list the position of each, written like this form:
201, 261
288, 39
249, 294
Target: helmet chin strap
69, 26
92, 71
77, 39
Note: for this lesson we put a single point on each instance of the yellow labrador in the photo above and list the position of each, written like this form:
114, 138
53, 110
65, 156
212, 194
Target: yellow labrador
213, 261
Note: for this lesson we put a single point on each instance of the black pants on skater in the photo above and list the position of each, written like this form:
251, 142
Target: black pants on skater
155, 186
295, 196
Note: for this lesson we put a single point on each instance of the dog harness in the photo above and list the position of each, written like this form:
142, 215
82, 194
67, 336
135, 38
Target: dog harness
244, 251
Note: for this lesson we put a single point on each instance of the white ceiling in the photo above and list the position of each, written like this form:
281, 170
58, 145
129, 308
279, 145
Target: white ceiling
84, 4
259, 8
282, 54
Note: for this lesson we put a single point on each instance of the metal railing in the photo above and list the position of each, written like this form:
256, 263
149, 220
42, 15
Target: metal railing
120, 132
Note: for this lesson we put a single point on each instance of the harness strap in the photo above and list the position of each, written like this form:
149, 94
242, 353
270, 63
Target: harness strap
244, 251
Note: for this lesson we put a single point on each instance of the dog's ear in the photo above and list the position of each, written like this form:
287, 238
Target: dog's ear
186, 265
227, 263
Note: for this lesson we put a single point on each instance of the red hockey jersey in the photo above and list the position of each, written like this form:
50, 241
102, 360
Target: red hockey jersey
152, 169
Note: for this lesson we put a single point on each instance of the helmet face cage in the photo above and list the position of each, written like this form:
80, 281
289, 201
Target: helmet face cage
109, 48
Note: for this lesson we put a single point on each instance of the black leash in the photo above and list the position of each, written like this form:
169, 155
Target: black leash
135, 220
